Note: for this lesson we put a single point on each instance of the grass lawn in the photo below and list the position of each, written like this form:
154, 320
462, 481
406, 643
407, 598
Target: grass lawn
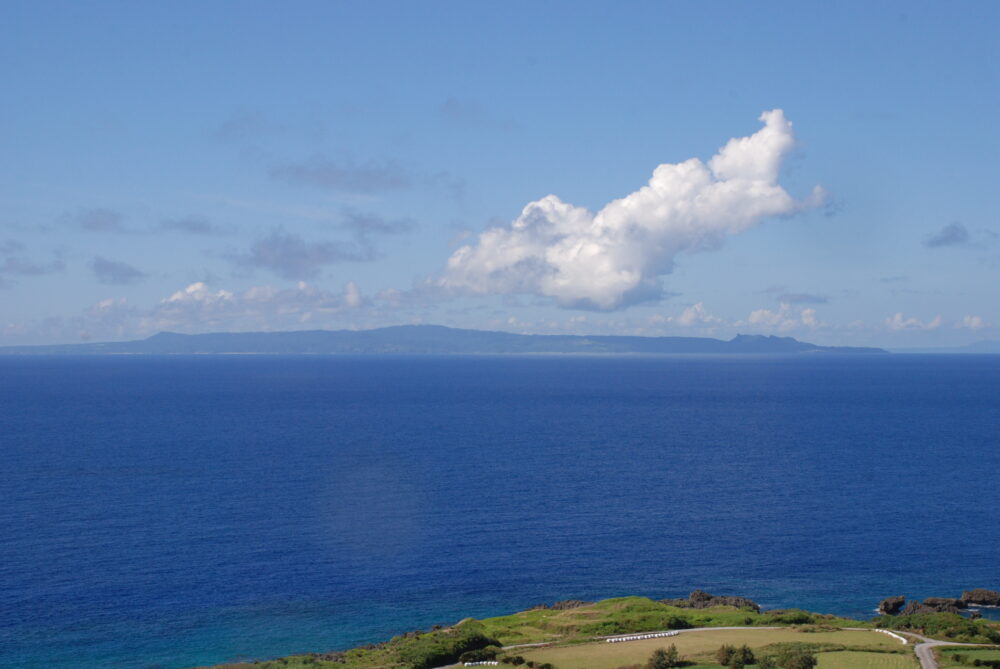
944, 654
859, 660
700, 646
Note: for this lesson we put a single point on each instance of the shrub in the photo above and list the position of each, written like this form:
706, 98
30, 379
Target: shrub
444, 647
796, 659
742, 656
790, 617
664, 658
479, 655
725, 654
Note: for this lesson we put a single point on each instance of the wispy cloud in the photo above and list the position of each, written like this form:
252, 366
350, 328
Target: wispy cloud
245, 124
115, 272
953, 234
290, 256
345, 175
100, 220
195, 225
471, 113
957, 234
14, 262
365, 224
803, 298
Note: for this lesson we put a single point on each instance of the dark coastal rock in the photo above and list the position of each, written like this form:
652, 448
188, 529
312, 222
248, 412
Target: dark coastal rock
981, 597
944, 603
699, 599
890, 606
932, 605
915, 608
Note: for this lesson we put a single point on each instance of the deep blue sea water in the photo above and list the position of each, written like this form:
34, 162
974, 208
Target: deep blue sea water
172, 511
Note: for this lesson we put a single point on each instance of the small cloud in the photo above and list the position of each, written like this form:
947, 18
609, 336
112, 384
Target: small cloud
345, 176
292, 257
13, 262
972, 323
893, 279
115, 272
786, 318
100, 220
453, 185
242, 125
803, 298
352, 296
898, 322
833, 206
467, 112
194, 225
364, 225
10, 247
953, 234
695, 315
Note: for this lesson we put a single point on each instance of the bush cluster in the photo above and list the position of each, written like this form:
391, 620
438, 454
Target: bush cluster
664, 658
517, 661
943, 625
735, 658
444, 647
975, 662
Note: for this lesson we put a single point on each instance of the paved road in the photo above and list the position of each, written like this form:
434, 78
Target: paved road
925, 649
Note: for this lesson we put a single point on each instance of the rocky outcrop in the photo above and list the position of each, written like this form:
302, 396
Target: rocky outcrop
944, 603
933, 605
981, 597
699, 599
890, 606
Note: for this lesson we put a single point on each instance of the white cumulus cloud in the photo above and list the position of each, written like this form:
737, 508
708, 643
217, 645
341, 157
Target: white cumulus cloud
615, 257
972, 323
786, 318
898, 322
694, 315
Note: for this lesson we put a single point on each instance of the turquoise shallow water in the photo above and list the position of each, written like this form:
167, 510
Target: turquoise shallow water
184, 510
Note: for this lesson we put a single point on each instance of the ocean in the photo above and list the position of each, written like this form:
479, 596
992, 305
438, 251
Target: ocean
184, 510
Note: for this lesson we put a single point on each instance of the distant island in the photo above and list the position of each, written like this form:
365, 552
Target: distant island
432, 340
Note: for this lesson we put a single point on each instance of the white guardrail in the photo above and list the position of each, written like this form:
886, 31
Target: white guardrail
639, 637
477, 664
893, 635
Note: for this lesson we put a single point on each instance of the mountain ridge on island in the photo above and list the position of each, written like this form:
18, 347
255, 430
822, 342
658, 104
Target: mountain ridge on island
432, 340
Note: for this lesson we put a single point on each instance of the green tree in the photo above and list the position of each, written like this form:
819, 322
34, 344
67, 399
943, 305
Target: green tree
664, 658
725, 654
742, 656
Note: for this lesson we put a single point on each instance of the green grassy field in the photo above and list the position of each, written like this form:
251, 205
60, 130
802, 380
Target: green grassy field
575, 630
969, 655
700, 646
861, 660
623, 615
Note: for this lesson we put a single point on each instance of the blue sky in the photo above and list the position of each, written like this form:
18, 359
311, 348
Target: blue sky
254, 166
